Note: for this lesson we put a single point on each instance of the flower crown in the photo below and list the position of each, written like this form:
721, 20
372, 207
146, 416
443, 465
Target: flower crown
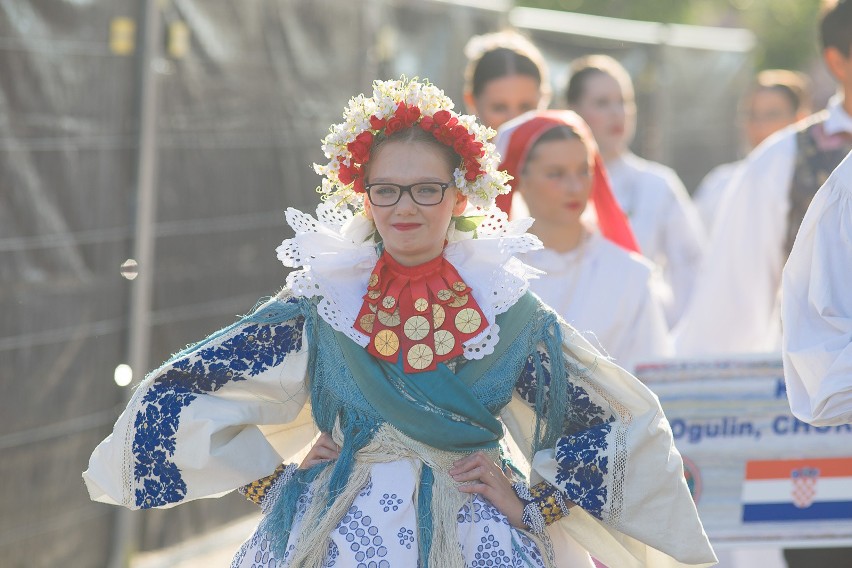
395, 106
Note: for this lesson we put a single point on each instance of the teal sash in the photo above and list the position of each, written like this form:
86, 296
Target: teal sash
437, 407
451, 412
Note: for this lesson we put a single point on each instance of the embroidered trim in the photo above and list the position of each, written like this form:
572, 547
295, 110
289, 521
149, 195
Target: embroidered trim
549, 501
533, 519
543, 505
268, 487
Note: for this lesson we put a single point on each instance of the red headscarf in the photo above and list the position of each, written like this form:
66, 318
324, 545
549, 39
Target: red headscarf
516, 138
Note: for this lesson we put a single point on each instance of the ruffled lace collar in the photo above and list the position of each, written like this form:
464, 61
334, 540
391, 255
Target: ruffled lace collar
335, 255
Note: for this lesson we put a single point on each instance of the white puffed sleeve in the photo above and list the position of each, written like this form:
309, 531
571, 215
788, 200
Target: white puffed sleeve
201, 424
817, 307
616, 461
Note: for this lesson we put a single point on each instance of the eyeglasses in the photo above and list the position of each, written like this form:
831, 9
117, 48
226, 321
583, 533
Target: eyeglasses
425, 193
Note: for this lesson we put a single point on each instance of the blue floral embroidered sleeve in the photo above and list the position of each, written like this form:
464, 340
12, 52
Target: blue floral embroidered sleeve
581, 453
191, 429
600, 440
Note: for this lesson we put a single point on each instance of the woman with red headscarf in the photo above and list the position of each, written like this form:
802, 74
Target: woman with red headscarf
594, 278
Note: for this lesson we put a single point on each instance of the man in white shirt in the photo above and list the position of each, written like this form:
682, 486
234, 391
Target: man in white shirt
817, 307
735, 307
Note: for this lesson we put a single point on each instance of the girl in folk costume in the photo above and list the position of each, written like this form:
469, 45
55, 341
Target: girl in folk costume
403, 337
596, 281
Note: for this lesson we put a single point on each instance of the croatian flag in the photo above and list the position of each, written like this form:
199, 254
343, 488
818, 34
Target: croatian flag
798, 490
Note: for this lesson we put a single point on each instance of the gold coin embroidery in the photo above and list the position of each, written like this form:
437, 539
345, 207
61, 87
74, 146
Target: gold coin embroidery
386, 342
388, 302
419, 356
374, 279
444, 295
438, 315
367, 321
373, 308
416, 328
458, 301
389, 320
374, 294
420, 304
459, 286
468, 320
444, 342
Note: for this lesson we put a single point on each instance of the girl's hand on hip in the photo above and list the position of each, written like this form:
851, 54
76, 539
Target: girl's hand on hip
489, 480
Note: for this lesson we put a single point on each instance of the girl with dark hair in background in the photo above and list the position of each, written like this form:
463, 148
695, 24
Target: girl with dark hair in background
505, 77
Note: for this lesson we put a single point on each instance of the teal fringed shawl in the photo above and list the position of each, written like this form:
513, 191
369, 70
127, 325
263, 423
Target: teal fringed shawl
455, 412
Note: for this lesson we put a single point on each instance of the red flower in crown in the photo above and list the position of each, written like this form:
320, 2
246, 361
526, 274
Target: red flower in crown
360, 147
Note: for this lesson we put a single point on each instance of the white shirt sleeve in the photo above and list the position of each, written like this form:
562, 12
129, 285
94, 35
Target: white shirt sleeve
734, 305
817, 307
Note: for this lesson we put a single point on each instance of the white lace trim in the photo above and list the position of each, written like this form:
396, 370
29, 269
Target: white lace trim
337, 256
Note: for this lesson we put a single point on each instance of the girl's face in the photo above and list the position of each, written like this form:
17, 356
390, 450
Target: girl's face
504, 98
768, 112
412, 233
557, 181
610, 112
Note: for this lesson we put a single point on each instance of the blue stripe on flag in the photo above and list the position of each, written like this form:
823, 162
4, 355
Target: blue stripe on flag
822, 510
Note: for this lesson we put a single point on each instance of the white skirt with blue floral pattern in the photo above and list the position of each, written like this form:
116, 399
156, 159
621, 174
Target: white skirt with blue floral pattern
380, 530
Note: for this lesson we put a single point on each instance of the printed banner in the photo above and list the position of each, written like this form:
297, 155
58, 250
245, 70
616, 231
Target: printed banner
757, 474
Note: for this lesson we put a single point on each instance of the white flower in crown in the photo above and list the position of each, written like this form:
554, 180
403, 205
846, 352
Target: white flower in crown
394, 106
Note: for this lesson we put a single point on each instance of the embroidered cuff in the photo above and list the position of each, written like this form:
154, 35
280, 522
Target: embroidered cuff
259, 491
543, 505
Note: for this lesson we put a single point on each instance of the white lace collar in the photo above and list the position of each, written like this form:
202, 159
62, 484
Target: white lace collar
336, 255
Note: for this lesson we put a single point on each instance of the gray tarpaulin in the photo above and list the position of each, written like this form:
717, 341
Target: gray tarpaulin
240, 117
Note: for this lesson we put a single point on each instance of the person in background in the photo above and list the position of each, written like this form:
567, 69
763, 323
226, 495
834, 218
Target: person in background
777, 99
594, 278
735, 307
661, 214
817, 312
505, 77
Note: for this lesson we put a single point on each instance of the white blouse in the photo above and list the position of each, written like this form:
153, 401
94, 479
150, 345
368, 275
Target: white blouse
664, 220
608, 295
817, 307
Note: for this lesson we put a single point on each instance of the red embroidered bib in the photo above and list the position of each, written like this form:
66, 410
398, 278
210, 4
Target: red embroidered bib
423, 313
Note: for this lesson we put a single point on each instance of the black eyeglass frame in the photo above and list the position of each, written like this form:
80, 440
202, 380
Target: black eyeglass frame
403, 188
